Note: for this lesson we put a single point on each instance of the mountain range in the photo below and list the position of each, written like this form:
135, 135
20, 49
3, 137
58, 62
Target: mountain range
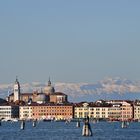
108, 88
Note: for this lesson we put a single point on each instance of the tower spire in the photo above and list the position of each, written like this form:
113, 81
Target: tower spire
49, 82
16, 79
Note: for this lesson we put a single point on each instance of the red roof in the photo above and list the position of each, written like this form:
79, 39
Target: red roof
49, 104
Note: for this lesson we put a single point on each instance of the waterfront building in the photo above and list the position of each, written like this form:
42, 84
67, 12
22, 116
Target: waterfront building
137, 110
25, 112
114, 112
92, 110
126, 111
81, 110
100, 112
47, 111
9, 111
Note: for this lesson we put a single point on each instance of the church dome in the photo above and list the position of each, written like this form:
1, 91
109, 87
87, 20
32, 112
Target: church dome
49, 89
41, 98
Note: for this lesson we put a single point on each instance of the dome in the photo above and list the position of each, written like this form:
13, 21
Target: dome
41, 98
49, 89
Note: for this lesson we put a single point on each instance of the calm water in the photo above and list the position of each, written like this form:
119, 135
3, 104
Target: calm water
62, 131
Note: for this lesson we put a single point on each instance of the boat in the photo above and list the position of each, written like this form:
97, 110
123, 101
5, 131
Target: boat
14, 120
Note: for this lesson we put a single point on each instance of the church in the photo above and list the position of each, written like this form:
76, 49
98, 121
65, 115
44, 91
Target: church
47, 96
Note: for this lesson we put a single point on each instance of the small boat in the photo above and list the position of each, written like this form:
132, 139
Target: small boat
14, 120
5, 120
46, 120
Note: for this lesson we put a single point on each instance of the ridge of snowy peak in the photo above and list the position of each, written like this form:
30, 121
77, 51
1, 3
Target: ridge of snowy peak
118, 81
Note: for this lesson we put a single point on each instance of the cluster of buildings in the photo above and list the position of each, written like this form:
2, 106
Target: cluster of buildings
48, 105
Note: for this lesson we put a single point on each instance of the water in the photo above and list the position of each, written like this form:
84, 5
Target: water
62, 131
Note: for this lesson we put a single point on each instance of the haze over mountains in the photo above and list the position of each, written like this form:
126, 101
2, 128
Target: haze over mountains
108, 88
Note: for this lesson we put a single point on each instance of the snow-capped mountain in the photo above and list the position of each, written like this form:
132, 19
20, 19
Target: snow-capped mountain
108, 88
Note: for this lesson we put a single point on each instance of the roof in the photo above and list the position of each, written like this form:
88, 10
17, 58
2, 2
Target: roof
129, 101
92, 104
30, 94
48, 104
59, 93
8, 104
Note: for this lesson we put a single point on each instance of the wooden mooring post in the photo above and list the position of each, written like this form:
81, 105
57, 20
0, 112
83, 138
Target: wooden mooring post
87, 131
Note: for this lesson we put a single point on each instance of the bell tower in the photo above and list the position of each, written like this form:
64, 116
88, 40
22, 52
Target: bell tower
16, 90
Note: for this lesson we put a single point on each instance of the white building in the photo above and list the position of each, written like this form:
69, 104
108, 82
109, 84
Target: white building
136, 112
9, 112
114, 112
25, 112
99, 112
91, 110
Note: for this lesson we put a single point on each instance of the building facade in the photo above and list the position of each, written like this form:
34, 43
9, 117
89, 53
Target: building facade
9, 112
47, 111
114, 112
126, 111
58, 98
25, 112
82, 110
137, 110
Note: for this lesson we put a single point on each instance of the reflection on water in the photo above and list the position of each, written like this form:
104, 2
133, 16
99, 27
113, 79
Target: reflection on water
62, 131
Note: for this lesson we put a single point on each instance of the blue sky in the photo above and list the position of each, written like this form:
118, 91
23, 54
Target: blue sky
70, 41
